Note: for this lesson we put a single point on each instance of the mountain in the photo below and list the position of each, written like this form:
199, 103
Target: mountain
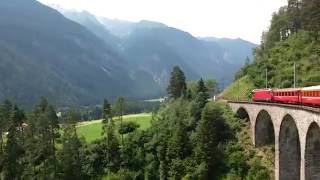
235, 49
91, 22
82, 59
153, 48
42, 53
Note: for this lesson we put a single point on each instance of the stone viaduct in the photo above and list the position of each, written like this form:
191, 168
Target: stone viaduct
293, 130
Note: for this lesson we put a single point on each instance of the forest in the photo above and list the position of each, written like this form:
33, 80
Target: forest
190, 138
291, 44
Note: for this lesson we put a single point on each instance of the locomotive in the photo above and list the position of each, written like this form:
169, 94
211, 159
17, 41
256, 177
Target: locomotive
305, 96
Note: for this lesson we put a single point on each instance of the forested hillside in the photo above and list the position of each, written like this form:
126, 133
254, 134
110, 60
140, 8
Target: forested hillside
293, 37
189, 138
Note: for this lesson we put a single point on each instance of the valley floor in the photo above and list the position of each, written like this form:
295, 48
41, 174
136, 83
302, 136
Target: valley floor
91, 130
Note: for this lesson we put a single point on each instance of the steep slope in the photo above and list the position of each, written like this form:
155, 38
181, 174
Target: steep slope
91, 22
198, 58
44, 54
205, 57
152, 48
235, 49
289, 50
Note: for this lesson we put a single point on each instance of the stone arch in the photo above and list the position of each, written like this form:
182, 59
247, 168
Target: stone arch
289, 150
242, 113
264, 129
312, 152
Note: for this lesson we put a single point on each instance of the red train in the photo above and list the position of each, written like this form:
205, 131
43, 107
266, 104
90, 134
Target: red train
306, 95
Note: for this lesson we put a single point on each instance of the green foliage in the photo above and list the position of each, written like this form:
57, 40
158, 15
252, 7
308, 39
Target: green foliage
210, 84
201, 98
42, 135
239, 90
169, 149
310, 15
128, 127
258, 172
12, 162
177, 85
92, 130
291, 38
212, 131
71, 159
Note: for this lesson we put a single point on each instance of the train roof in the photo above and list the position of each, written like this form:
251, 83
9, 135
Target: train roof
287, 89
255, 90
311, 88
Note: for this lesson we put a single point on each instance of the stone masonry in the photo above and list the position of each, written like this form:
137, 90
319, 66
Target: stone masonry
295, 133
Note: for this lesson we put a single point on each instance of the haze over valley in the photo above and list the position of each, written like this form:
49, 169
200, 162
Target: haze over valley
76, 58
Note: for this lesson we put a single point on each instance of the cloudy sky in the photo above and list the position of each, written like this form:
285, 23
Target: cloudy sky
244, 19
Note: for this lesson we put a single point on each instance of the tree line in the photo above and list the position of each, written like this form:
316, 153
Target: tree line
289, 49
190, 138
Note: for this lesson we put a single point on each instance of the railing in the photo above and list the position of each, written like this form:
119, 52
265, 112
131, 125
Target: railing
291, 106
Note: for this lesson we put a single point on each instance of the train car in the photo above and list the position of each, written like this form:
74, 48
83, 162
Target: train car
262, 95
289, 95
311, 95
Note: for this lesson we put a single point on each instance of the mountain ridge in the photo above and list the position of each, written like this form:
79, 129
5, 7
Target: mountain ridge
201, 55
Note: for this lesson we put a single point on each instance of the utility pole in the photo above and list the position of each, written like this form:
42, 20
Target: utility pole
294, 74
238, 89
266, 78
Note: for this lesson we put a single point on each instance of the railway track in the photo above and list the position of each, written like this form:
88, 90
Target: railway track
291, 106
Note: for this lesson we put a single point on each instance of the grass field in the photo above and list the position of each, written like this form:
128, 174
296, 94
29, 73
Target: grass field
91, 130
238, 90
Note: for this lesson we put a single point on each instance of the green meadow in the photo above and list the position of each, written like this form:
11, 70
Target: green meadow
91, 130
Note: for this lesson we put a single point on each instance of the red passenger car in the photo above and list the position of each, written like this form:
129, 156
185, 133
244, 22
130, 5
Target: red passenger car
262, 95
305, 96
291, 95
311, 95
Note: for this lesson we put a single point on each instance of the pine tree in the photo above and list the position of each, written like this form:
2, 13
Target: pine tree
199, 103
70, 157
113, 150
107, 115
201, 87
177, 86
179, 148
5, 110
120, 109
179, 144
294, 7
12, 160
41, 150
208, 137
310, 16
